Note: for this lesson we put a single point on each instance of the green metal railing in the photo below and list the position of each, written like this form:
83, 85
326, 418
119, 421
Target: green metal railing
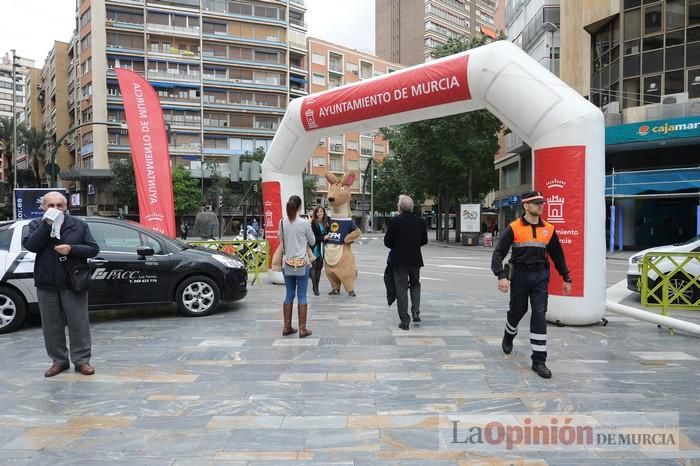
253, 253
671, 281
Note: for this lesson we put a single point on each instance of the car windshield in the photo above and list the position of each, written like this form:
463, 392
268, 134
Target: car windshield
690, 241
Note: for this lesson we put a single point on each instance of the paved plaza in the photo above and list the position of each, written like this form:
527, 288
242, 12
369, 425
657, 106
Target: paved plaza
228, 389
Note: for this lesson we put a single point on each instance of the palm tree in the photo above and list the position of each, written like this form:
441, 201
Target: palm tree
35, 143
6, 145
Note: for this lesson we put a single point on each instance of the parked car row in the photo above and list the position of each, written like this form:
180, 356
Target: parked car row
136, 267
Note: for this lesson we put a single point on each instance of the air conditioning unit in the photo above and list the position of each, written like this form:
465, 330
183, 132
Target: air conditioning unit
611, 107
674, 98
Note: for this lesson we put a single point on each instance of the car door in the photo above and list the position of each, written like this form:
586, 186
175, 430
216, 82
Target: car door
119, 275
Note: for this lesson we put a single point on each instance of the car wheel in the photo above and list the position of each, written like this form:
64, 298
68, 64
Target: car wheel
197, 296
678, 281
13, 310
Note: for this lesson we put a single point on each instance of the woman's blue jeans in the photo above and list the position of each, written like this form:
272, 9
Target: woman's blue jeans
296, 284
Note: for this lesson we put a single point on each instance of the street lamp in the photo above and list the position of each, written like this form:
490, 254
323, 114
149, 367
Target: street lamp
371, 196
551, 28
14, 116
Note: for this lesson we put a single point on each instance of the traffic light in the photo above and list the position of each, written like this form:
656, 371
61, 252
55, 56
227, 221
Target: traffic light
221, 202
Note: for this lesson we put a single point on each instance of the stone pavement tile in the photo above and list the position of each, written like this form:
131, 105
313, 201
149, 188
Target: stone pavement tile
419, 341
167, 423
410, 439
343, 440
278, 456
302, 377
428, 421
339, 407
182, 444
296, 342
223, 343
315, 422
265, 440
41, 438
201, 462
7, 434
110, 440
245, 422
396, 376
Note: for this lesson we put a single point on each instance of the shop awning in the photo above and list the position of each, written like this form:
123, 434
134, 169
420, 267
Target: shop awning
677, 180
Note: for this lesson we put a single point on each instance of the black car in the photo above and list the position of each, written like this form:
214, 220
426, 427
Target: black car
136, 267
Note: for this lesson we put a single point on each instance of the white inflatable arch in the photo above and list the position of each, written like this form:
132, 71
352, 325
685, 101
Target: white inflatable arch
564, 130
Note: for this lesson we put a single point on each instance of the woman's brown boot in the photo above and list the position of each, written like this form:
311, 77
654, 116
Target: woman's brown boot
303, 311
287, 312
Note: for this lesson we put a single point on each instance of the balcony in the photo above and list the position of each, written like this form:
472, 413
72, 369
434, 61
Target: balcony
175, 30
513, 143
173, 52
168, 76
128, 2
662, 111
298, 2
191, 147
335, 147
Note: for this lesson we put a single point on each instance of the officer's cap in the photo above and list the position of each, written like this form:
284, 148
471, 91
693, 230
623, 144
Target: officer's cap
532, 196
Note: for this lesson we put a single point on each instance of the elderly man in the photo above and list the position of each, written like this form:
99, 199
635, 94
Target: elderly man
405, 235
61, 241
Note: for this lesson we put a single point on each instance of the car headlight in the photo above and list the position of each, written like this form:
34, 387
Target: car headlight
636, 259
229, 261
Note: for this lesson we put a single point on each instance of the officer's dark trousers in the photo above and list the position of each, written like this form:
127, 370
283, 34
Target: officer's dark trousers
532, 285
406, 278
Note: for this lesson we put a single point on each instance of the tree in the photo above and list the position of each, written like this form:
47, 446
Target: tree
124, 184
450, 158
186, 192
6, 146
35, 144
309, 192
389, 183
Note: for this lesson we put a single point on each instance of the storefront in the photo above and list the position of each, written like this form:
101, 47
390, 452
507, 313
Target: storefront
652, 182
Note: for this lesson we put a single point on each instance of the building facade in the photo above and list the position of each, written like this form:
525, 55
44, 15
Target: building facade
533, 25
224, 71
639, 61
18, 92
407, 31
330, 66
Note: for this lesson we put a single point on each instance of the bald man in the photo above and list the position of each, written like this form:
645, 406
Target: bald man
61, 241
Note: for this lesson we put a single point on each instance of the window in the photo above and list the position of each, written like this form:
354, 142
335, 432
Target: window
318, 79
652, 89
319, 161
674, 82
214, 28
675, 14
335, 81
694, 83
85, 18
366, 70
652, 19
693, 12
86, 66
117, 238
335, 62
633, 22
6, 239
85, 42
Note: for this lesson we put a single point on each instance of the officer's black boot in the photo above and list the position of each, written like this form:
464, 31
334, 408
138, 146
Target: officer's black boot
541, 369
507, 343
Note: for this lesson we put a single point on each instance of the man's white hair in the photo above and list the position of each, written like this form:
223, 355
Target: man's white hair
405, 203
53, 193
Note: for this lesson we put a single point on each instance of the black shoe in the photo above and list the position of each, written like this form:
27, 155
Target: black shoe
404, 326
507, 343
352, 293
332, 292
416, 317
541, 369
316, 293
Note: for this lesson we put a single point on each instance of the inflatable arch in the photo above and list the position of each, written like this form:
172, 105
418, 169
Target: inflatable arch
564, 130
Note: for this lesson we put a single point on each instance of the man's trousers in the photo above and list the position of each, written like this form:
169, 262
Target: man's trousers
530, 285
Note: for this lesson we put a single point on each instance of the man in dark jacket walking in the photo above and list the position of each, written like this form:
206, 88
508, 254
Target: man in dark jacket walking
61, 241
405, 235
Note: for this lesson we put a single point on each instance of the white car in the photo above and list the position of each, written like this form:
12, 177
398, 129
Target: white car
634, 270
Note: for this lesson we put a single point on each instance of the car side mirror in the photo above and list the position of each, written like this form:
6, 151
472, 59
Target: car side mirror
144, 251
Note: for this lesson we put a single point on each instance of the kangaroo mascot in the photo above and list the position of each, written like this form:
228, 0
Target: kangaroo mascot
340, 262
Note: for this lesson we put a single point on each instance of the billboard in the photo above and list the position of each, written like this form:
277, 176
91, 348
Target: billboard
471, 218
27, 201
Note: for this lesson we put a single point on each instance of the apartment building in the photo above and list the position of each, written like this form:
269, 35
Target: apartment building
407, 31
639, 61
18, 91
534, 26
224, 71
332, 66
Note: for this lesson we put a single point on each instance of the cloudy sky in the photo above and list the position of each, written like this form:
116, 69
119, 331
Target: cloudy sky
31, 26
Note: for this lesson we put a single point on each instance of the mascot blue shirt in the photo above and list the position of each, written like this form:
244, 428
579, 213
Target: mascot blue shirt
339, 228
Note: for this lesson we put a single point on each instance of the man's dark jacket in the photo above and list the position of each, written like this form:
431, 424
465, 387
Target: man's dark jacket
49, 272
405, 235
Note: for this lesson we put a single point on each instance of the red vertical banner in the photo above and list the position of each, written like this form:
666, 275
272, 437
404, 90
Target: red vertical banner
560, 174
149, 151
272, 211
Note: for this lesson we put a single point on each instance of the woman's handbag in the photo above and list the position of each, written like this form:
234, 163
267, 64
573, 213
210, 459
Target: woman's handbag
293, 266
78, 275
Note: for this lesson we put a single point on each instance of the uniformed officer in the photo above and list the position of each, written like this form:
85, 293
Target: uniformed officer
533, 241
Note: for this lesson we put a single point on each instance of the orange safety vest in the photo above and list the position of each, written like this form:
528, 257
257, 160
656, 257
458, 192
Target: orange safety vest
523, 234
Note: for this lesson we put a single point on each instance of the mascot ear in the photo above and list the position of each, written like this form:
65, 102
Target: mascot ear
332, 179
349, 178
